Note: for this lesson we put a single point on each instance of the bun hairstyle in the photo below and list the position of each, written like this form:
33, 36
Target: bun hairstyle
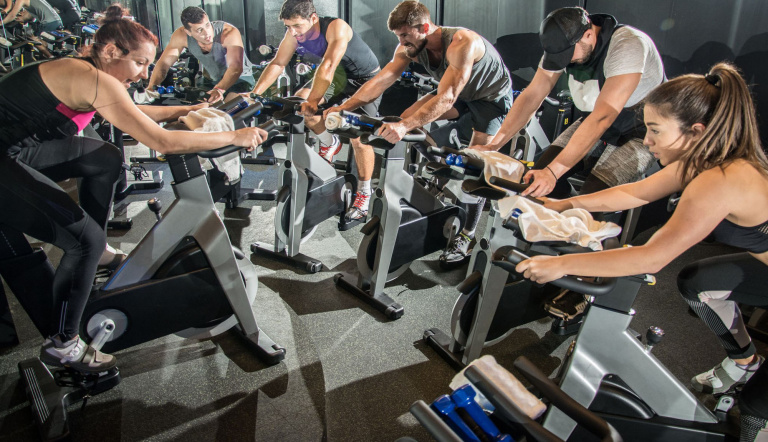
117, 29
114, 12
721, 101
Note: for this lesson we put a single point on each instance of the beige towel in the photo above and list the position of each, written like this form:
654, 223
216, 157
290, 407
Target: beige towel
145, 97
216, 120
576, 226
507, 382
499, 165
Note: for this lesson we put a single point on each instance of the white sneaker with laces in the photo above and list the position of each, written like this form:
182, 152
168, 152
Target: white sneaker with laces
359, 209
328, 152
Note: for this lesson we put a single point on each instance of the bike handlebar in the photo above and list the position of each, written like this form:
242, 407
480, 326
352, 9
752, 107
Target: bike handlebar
215, 153
598, 287
356, 125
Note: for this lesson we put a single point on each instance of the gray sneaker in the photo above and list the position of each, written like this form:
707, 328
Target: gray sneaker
457, 253
75, 354
725, 376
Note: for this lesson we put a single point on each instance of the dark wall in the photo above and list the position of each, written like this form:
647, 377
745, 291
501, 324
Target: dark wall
691, 35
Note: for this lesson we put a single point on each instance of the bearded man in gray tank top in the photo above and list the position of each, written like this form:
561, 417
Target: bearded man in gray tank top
472, 79
217, 45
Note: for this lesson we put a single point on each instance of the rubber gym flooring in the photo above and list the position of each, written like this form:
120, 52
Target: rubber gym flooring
349, 373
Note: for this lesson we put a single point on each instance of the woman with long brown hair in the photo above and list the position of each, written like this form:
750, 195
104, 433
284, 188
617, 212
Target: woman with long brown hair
703, 129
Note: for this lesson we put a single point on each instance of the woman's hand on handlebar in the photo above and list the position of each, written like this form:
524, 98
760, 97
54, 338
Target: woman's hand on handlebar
392, 132
250, 137
216, 95
199, 106
543, 182
541, 269
556, 205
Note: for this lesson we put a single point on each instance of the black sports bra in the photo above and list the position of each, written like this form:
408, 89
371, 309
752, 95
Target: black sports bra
29, 109
753, 239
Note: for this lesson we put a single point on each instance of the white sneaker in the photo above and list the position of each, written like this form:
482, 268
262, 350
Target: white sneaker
359, 209
725, 376
328, 152
75, 354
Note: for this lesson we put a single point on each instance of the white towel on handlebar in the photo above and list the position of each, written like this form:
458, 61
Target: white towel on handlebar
146, 97
498, 164
215, 120
576, 226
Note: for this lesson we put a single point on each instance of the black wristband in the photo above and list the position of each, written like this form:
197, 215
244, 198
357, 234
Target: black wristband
553, 173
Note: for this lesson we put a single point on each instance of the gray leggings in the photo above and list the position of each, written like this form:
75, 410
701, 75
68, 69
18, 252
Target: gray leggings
714, 287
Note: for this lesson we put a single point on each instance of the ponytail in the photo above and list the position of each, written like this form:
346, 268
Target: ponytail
720, 100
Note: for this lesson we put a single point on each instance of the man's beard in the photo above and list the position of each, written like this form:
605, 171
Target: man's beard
413, 51
587, 50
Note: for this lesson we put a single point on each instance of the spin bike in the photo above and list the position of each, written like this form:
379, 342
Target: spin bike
406, 221
459, 416
492, 302
183, 277
609, 370
310, 192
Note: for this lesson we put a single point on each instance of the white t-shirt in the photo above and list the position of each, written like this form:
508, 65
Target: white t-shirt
630, 51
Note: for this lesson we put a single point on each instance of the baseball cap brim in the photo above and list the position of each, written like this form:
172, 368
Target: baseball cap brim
557, 61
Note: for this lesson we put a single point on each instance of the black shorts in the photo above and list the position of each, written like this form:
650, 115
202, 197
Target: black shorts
341, 88
487, 116
240, 87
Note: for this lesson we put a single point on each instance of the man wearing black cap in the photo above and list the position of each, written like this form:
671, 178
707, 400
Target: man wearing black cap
610, 68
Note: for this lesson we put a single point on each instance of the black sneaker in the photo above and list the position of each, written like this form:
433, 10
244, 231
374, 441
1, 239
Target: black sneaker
457, 253
567, 305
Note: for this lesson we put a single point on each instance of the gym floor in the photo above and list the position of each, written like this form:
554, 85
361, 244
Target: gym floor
349, 373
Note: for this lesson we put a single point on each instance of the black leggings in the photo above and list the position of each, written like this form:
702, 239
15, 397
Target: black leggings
714, 287
32, 203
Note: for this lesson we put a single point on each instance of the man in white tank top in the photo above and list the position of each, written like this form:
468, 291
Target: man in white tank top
610, 68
